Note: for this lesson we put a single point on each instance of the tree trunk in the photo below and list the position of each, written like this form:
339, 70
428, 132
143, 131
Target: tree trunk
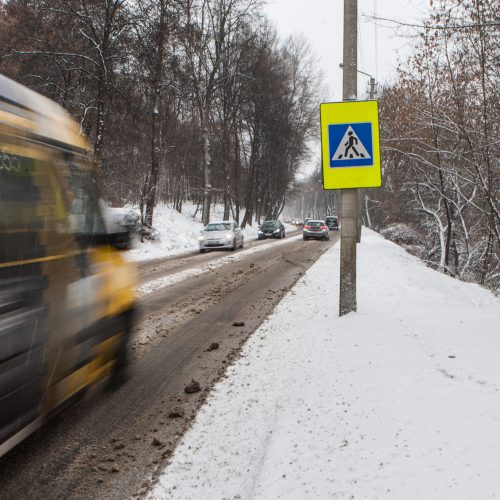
155, 165
155, 120
227, 205
207, 188
237, 176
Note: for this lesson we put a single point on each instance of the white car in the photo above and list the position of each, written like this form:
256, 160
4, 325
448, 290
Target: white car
226, 235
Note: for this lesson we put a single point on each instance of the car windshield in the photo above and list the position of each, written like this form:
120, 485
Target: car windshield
270, 223
219, 226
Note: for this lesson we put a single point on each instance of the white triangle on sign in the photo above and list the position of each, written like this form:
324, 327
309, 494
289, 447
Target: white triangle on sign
350, 147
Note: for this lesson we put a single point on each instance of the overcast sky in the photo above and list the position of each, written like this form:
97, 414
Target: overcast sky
321, 22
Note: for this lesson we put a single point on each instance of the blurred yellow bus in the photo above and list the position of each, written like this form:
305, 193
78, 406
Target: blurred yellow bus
66, 292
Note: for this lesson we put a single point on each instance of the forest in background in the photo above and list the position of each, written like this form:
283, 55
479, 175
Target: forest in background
181, 99
201, 100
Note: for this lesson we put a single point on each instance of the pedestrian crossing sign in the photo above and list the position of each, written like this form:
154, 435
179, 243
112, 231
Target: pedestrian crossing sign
350, 144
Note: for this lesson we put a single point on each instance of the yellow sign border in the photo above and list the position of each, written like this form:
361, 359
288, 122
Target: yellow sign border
350, 112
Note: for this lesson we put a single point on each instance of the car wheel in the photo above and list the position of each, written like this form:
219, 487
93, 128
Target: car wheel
233, 248
304, 238
202, 250
242, 242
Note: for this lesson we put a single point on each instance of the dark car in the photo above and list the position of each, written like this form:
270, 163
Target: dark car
271, 229
332, 221
315, 229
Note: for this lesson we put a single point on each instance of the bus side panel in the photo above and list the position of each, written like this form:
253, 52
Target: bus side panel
23, 312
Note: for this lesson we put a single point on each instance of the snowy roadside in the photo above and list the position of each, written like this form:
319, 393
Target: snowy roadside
399, 400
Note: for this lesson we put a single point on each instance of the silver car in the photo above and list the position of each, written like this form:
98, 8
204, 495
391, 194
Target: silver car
315, 229
224, 234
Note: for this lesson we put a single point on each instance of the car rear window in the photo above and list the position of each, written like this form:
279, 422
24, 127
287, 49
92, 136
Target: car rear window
315, 223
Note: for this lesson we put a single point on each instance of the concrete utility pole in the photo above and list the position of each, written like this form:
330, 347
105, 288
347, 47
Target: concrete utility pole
372, 93
349, 204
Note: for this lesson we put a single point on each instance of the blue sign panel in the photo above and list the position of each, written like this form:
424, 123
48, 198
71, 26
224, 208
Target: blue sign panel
350, 144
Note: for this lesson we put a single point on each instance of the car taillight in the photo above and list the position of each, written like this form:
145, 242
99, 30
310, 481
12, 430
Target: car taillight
307, 227
324, 227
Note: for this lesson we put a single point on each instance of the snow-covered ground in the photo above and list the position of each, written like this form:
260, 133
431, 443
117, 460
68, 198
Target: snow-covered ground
400, 400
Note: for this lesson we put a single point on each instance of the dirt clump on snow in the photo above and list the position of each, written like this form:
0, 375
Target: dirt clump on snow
193, 387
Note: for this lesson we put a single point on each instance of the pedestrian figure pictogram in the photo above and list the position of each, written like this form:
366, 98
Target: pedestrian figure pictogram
350, 147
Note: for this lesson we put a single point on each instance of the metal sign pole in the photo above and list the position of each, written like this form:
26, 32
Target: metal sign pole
349, 205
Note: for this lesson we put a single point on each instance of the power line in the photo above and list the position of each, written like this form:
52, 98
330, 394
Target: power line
434, 27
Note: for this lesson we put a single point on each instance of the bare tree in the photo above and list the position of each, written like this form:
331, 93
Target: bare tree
81, 64
441, 167
208, 29
281, 109
152, 32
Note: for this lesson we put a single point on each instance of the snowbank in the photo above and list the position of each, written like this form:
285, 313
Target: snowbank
177, 233
400, 400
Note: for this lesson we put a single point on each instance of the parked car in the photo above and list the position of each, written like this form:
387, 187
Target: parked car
271, 229
315, 229
226, 235
332, 221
